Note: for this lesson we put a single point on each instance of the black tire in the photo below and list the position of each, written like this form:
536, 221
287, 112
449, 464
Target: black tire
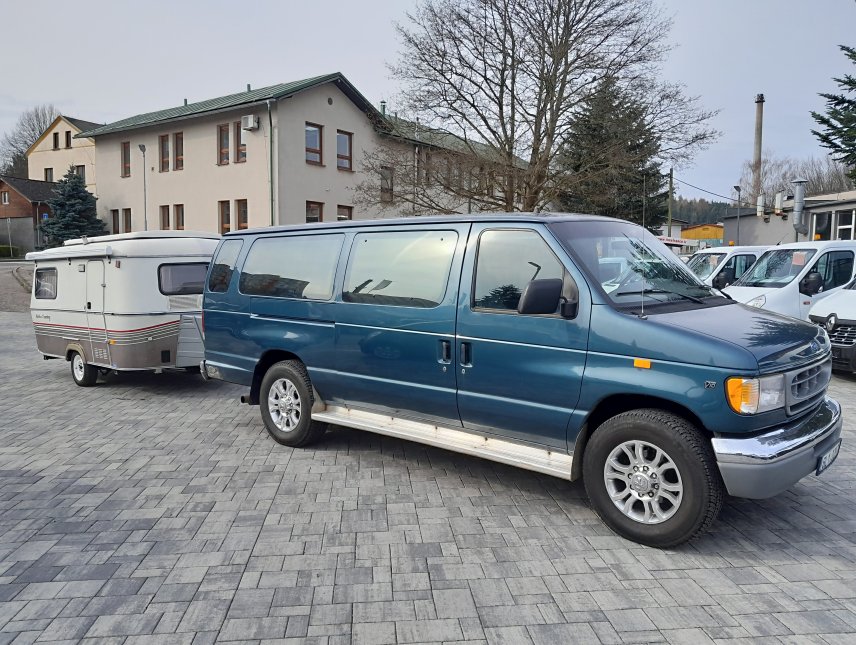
693, 471
84, 375
280, 420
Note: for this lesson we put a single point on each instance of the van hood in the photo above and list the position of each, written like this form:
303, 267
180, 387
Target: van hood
777, 342
841, 303
745, 294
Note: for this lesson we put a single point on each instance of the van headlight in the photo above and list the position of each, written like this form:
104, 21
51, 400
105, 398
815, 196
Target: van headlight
754, 395
758, 301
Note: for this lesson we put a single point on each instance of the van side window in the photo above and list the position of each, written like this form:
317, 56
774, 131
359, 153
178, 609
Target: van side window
507, 261
45, 282
224, 266
835, 267
186, 278
292, 267
400, 268
739, 264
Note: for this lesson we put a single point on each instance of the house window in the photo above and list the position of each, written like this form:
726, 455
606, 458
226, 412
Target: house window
223, 144
126, 215
225, 217
4, 197
126, 159
343, 150
68, 138
80, 171
163, 147
114, 216
178, 216
48, 174
313, 144
164, 215
385, 184
241, 213
314, 212
240, 144
178, 151
344, 212
56, 140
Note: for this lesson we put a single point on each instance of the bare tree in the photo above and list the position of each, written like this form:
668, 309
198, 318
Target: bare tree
29, 127
490, 87
824, 175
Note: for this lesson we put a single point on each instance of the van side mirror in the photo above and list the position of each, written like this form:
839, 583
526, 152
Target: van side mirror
570, 298
811, 284
723, 278
540, 296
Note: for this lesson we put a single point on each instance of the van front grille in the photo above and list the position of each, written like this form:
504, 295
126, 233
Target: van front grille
843, 335
807, 386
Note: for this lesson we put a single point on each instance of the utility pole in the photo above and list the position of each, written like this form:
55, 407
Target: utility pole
671, 192
737, 188
145, 201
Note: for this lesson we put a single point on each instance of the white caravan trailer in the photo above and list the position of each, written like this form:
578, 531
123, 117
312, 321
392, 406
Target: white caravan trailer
122, 302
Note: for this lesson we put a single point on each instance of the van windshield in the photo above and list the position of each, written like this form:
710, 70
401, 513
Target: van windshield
776, 268
629, 263
703, 264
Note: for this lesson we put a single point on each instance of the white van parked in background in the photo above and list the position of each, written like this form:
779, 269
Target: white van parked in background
721, 266
131, 301
837, 314
791, 278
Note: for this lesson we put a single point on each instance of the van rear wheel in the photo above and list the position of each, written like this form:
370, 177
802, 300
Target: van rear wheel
286, 401
84, 375
652, 477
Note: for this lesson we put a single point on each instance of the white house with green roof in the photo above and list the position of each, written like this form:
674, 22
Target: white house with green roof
284, 154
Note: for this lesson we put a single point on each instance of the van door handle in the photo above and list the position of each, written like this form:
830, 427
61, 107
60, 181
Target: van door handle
466, 355
445, 351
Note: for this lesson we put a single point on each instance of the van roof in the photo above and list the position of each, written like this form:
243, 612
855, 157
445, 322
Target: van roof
824, 244
431, 219
731, 249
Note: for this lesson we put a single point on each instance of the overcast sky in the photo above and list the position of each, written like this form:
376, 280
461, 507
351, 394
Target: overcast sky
107, 60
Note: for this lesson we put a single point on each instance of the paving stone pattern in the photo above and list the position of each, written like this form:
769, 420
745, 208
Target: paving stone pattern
155, 509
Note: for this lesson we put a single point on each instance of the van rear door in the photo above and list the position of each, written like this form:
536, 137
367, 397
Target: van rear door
519, 375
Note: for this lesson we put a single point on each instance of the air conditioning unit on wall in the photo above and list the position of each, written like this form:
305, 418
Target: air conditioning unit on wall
250, 122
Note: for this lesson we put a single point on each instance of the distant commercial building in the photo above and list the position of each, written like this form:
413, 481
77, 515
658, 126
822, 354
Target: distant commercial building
708, 235
59, 149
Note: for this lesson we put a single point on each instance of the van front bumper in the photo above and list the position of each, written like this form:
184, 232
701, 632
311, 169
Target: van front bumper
765, 465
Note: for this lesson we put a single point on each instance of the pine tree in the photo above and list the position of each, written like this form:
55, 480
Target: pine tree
73, 211
612, 155
839, 122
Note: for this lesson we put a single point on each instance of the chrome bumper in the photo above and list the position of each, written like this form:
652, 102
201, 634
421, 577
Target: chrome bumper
765, 465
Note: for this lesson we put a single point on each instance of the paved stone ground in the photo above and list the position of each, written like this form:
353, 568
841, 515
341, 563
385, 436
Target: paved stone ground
155, 509
13, 295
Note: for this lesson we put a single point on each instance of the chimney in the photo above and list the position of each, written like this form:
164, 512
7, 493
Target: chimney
185, 101
383, 108
756, 159
248, 87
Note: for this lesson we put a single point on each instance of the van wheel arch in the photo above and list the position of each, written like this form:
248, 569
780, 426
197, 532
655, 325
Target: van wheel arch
269, 358
617, 404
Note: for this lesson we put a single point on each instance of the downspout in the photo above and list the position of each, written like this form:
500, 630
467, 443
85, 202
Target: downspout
270, 160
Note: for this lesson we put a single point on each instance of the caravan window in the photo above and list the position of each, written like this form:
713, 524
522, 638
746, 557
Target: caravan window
45, 284
182, 279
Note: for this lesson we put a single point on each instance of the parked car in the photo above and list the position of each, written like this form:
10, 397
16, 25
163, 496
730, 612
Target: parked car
791, 278
122, 302
495, 336
837, 315
721, 266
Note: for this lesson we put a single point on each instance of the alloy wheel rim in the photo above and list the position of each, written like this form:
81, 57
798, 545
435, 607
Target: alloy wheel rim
643, 482
284, 405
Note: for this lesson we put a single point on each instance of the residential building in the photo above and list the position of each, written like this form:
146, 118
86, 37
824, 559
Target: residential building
23, 204
59, 148
285, 154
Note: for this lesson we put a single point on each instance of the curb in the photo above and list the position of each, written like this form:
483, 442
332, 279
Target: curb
26, 284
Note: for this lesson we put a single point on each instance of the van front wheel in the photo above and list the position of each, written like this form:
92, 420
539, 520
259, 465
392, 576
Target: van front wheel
286, 404
84, 375
651, 476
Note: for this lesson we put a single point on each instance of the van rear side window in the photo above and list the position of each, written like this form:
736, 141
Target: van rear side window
182, 279
292, 267
224, 266
400, 268
45, 283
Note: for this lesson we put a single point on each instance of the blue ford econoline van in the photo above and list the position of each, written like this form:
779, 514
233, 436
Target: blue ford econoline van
514, 338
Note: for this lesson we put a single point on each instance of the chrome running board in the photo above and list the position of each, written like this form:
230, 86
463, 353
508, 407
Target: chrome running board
506, 452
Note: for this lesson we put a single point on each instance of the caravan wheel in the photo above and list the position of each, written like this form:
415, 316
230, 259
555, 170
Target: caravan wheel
84, 375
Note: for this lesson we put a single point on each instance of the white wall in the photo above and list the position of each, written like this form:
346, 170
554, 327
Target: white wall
199, 186
81, 153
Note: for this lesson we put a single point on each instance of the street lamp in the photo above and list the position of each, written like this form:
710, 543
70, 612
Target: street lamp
145, 204
737, 188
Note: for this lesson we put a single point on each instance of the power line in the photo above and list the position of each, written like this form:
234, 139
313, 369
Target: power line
710, 192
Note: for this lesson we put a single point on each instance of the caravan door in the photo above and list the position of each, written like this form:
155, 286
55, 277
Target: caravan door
95, 312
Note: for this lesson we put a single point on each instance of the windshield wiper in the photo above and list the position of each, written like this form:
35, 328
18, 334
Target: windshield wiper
652, 290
